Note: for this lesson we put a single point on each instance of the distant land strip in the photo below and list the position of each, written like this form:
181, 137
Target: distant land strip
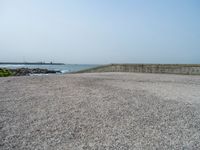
187, 69
30, 63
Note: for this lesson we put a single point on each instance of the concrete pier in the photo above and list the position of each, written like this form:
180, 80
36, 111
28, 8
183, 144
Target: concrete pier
190, 69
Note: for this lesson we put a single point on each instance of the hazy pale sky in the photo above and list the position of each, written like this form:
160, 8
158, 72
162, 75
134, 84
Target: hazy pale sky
100, 31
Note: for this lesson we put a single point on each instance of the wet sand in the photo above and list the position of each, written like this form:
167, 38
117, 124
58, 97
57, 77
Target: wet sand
100, 111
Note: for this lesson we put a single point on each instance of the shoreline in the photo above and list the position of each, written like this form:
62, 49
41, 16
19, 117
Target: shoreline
29, 63
5, 72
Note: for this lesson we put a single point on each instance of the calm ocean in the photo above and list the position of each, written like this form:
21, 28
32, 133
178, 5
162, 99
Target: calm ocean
63, 68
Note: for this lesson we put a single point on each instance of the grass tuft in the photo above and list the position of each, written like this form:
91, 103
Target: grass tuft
5, 72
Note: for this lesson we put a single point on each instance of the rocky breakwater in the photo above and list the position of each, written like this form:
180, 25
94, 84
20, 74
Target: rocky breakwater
28, 71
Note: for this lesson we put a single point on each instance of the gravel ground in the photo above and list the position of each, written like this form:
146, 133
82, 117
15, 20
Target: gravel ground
100, 111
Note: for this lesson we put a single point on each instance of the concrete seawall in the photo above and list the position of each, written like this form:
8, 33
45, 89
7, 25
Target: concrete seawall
190, 69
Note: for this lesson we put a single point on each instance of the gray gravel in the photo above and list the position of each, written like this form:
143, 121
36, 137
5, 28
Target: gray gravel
100, 111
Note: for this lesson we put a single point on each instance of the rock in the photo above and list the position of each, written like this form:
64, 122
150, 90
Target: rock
28, 71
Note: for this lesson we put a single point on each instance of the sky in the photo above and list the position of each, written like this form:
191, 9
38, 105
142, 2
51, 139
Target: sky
100, 31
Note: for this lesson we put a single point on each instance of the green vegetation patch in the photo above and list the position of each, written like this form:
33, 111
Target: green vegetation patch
5, 72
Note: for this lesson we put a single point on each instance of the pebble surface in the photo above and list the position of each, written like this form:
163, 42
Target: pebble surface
100, 111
